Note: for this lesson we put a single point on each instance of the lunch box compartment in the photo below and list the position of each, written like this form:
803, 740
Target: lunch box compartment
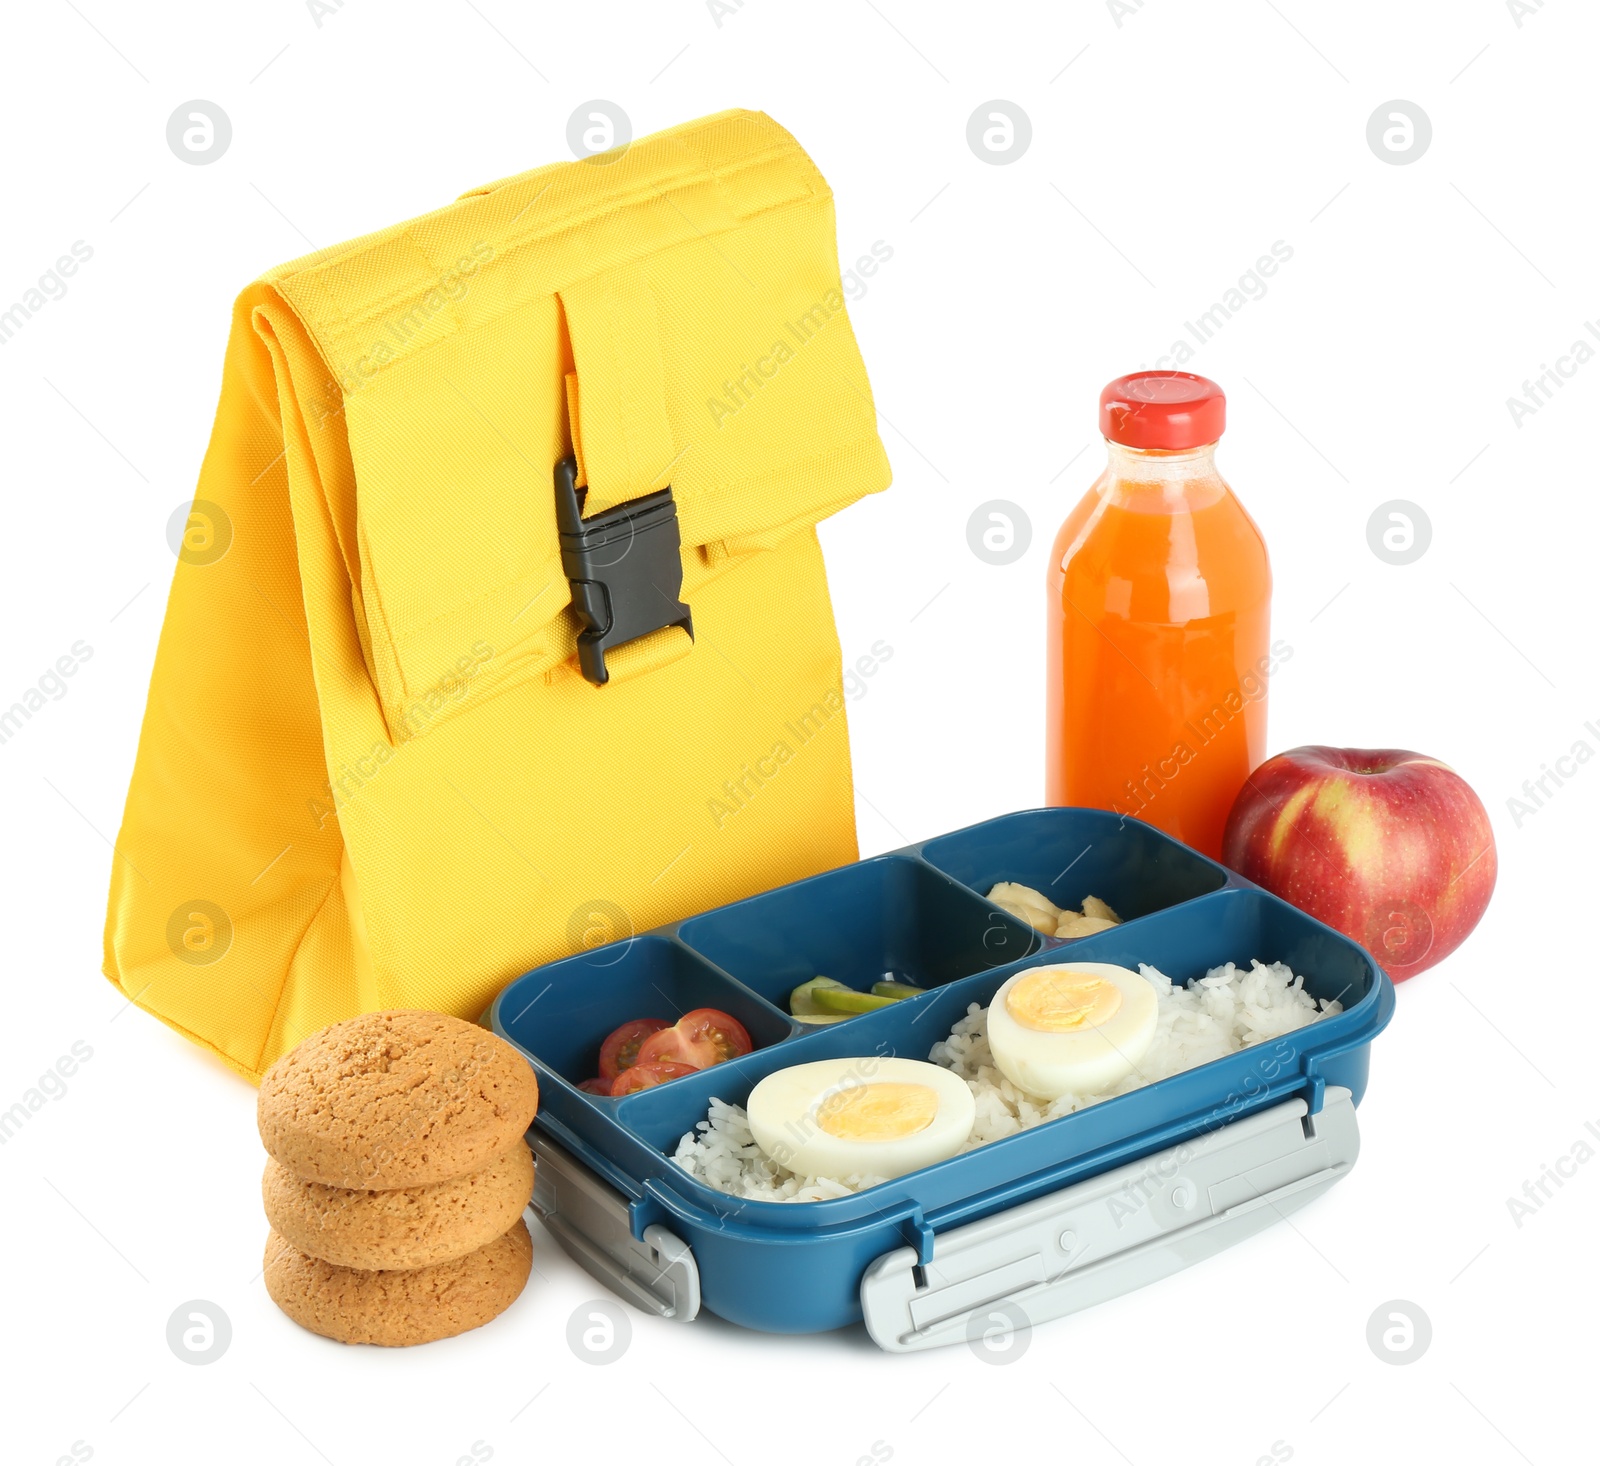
611, 1192
888, 916
1067, 854
579, 1000
1229, 926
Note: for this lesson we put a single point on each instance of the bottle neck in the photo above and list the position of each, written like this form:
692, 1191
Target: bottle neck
1148, 465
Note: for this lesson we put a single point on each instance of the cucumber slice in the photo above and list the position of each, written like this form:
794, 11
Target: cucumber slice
838, 999
802, 1000
896, 990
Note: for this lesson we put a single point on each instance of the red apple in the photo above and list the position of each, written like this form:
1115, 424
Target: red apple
1391, 848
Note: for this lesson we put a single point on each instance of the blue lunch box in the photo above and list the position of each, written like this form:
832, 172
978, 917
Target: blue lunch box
1028, 1228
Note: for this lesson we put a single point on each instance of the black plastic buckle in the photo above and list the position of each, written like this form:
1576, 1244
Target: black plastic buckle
625, 568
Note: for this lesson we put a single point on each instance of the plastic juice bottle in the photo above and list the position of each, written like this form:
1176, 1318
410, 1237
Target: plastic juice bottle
1159, 601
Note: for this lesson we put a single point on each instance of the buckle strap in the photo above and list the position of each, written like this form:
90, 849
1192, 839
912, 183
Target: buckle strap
627, 444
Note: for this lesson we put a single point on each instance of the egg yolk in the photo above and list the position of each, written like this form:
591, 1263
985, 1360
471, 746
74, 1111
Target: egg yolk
878, 1111
1063, 1002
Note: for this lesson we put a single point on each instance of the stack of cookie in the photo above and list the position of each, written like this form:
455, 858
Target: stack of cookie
398, 1177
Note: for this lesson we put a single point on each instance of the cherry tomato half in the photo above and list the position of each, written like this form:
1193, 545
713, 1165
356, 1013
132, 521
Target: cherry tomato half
621, 1047
596, 1086
648, 1074
700, 1039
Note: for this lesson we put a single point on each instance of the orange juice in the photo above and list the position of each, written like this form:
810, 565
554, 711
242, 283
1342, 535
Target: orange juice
1158, 621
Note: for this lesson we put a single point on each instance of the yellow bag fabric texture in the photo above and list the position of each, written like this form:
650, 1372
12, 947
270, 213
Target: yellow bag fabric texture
370, 774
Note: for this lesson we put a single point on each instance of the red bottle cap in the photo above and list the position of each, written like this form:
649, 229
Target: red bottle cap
1162, 410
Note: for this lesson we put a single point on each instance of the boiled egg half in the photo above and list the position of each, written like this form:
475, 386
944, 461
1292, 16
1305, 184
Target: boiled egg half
1071, 1029
869, 1116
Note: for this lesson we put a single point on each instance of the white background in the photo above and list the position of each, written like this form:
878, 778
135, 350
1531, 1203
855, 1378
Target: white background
1168, 153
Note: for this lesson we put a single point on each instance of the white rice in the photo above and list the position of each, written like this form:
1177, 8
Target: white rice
1226, 1010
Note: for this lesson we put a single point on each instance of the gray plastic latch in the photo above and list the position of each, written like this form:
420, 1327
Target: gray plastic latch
590, 1220
1114, 1232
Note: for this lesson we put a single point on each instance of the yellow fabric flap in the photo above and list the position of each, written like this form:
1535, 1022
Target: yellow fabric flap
690, 285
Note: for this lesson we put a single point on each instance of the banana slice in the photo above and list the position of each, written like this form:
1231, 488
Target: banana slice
1094, 906
1043, 915
1026, 904
1073, 925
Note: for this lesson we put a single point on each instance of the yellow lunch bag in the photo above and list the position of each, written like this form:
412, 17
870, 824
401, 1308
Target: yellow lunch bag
500, 625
